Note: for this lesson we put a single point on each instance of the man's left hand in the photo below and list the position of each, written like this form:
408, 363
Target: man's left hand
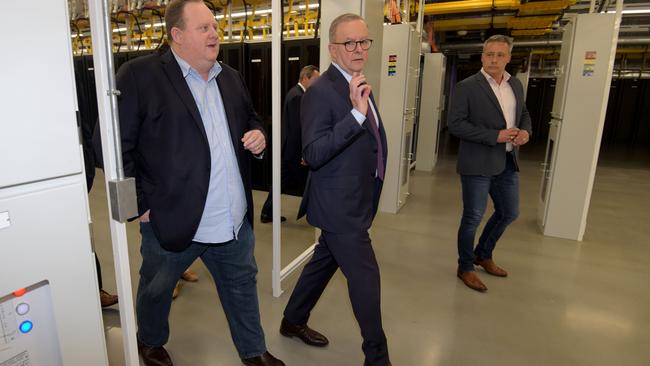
254, 141
521, 138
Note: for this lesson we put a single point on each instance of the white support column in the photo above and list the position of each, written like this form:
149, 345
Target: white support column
108, 116
276, 39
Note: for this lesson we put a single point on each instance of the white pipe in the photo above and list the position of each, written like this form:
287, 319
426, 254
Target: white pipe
592, 6
619, 11
421, 18
100, 27
276, 39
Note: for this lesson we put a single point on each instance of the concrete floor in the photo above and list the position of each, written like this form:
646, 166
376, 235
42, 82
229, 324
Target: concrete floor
564, 303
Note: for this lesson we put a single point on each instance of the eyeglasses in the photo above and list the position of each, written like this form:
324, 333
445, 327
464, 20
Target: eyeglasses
350, 46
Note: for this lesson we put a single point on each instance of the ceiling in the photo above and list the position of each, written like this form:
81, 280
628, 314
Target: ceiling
472, 21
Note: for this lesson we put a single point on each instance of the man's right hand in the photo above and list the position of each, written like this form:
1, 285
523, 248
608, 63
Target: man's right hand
145, 217
359, 92
507, 135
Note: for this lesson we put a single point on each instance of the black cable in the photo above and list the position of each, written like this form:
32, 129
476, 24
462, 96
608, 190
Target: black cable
245, 20
164, 26
117, 26
317, 26
282, 23
211, 6
137, 23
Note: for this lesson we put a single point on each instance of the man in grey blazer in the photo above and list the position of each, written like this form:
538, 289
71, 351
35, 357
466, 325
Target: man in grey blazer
488, 113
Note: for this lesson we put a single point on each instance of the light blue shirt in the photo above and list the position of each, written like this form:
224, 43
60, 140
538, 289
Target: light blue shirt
225, 206
357, 115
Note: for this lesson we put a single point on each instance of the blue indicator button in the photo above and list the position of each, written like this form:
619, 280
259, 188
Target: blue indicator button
26, 326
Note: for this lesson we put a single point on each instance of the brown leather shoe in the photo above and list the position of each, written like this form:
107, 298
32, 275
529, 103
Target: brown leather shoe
154, 356
107, 299
177, 289
471, 280
266, 359
306, 334
190, 276
490, 267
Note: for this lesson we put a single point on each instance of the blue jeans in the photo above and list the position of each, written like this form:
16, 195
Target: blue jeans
233, 267
504, 191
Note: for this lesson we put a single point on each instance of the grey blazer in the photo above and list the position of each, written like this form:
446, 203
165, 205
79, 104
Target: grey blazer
475, 117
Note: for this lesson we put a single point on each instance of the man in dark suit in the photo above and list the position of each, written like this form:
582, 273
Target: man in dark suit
344, 145
189, 133
488, 113
294, 169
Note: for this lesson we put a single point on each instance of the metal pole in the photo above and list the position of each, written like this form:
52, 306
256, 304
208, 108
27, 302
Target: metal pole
101, 32
276, 39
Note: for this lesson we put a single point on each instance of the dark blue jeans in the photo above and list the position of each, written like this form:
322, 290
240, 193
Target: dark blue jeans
233, 267
504, 191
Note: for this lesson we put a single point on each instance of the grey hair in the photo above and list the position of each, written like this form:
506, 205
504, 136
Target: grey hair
307, 72
501, 39
344, 18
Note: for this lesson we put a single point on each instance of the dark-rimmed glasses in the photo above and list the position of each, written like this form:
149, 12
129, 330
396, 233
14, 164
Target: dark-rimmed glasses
350, 46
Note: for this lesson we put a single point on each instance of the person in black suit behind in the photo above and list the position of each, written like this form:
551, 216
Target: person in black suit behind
189, 132
344, 145
294, 169
488, 113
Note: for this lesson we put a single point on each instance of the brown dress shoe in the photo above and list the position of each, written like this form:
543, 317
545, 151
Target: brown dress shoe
177, 289
107, 299
490, 267
190, 276
265, 359
306, 334
471, 280
154, 356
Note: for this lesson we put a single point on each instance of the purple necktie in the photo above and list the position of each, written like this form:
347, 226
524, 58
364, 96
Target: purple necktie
380, 149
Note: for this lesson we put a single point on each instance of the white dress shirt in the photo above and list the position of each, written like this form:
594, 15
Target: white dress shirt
506, 98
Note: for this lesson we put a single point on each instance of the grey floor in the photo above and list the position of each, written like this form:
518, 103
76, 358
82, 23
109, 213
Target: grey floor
564, 303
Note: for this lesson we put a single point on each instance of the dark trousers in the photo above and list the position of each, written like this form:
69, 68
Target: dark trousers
99, 273
353, 253
293, 178
233, 268
504, 191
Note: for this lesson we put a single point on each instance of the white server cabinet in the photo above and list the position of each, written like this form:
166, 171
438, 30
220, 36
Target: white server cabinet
49, 304
577, 118
432, 103
400, 72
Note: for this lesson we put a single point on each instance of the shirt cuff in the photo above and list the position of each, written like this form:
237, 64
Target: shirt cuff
358, 116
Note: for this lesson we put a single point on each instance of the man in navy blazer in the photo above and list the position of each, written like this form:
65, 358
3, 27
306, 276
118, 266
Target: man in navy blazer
488, 113
344, 145
294, 170
189, 132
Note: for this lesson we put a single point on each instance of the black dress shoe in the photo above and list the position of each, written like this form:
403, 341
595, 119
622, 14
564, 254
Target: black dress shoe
266, 359
154, 356
306, 334
266, 219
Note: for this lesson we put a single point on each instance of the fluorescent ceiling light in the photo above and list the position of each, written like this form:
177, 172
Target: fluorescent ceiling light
262, 12
631, 11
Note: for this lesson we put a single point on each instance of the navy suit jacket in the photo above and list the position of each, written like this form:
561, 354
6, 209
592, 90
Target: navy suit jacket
340, 195
165, 146
475, 117
291, 131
